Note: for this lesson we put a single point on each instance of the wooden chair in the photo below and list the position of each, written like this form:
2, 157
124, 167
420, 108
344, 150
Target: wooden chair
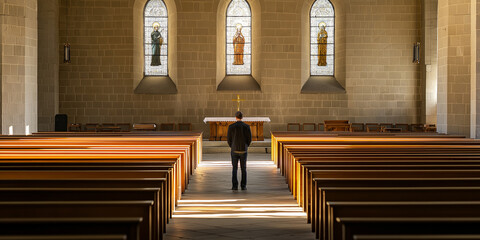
430, 128
388, 127
167, 127
293, 127
357, 127
337, 125
417, 127
144, 126
404, 126
124, 127
321, 127
91, 127
75, 127
108, 127
308, 127
184, 127
373, 127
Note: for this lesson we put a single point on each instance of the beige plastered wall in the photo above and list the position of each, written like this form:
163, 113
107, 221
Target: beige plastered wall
454, 67
19, 66
382, 84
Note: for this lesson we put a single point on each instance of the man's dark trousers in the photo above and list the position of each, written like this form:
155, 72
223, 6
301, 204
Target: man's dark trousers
243, 165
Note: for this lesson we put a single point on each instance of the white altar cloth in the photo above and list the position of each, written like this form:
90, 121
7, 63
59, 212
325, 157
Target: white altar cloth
232, 119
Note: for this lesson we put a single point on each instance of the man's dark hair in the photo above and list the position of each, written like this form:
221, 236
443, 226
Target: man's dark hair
239, 115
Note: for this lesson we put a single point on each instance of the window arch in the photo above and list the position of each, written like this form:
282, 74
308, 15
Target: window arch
322, 38
155, 25
238, 38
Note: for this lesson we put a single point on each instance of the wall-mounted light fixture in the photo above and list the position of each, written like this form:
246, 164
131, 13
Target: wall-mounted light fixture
416, 52
66, 46
66, 53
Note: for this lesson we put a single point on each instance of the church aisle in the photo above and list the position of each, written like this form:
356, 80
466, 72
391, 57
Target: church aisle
210, 210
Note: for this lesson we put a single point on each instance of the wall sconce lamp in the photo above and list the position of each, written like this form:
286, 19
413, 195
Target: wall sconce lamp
66, 46
416, 53
66, 52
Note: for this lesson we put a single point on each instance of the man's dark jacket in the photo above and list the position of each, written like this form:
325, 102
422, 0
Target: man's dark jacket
239, 136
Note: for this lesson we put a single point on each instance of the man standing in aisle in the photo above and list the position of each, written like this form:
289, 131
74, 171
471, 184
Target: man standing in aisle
239, 138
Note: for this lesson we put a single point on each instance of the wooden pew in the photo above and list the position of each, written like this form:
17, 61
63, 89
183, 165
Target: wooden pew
10, 177
170, 206
65, 237
166, 209
106, 157
403, 209
106, 149
308, 138
92, 194
305, 165
410, 228
453, 151
300, 176
304, 183
79, 228
192, 138
357, 194
82, 209
403, 178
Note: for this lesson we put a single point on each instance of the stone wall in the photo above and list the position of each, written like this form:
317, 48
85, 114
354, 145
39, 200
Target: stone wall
475, 79
48, 63
19, 66
430, 70
454, 66
382, 83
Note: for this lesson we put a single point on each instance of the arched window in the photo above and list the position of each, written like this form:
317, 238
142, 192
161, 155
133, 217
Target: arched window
238, 38
322, 38
155, 25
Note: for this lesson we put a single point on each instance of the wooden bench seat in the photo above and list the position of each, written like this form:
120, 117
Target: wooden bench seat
167, 210
400, 209
319, 204
370, 228
103, 160
299, 177
305, 181
341, 194
76, 228
93, 194
469, 162
79, 209
65, 237
313, 162
168, 155
161, 175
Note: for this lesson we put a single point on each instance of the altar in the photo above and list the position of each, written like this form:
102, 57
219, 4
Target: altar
219, 127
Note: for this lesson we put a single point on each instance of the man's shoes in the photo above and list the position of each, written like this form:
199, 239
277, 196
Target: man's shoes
244, 188
235, 188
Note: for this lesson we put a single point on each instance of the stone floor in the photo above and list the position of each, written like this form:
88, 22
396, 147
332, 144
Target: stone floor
210, 210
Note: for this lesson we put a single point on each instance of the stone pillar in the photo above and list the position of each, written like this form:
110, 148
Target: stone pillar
19, 66
48, 63
429, 47
454, 67
475, 61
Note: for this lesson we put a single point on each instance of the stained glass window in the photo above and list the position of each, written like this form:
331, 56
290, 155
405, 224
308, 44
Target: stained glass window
322, 38
155, 38
239, 38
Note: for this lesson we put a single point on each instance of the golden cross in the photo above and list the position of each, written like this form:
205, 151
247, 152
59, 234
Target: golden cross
238, 100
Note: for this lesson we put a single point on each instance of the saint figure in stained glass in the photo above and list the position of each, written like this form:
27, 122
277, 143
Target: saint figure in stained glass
238, 44
238, 41
322, 45
157, 41
155, 37
322, 38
